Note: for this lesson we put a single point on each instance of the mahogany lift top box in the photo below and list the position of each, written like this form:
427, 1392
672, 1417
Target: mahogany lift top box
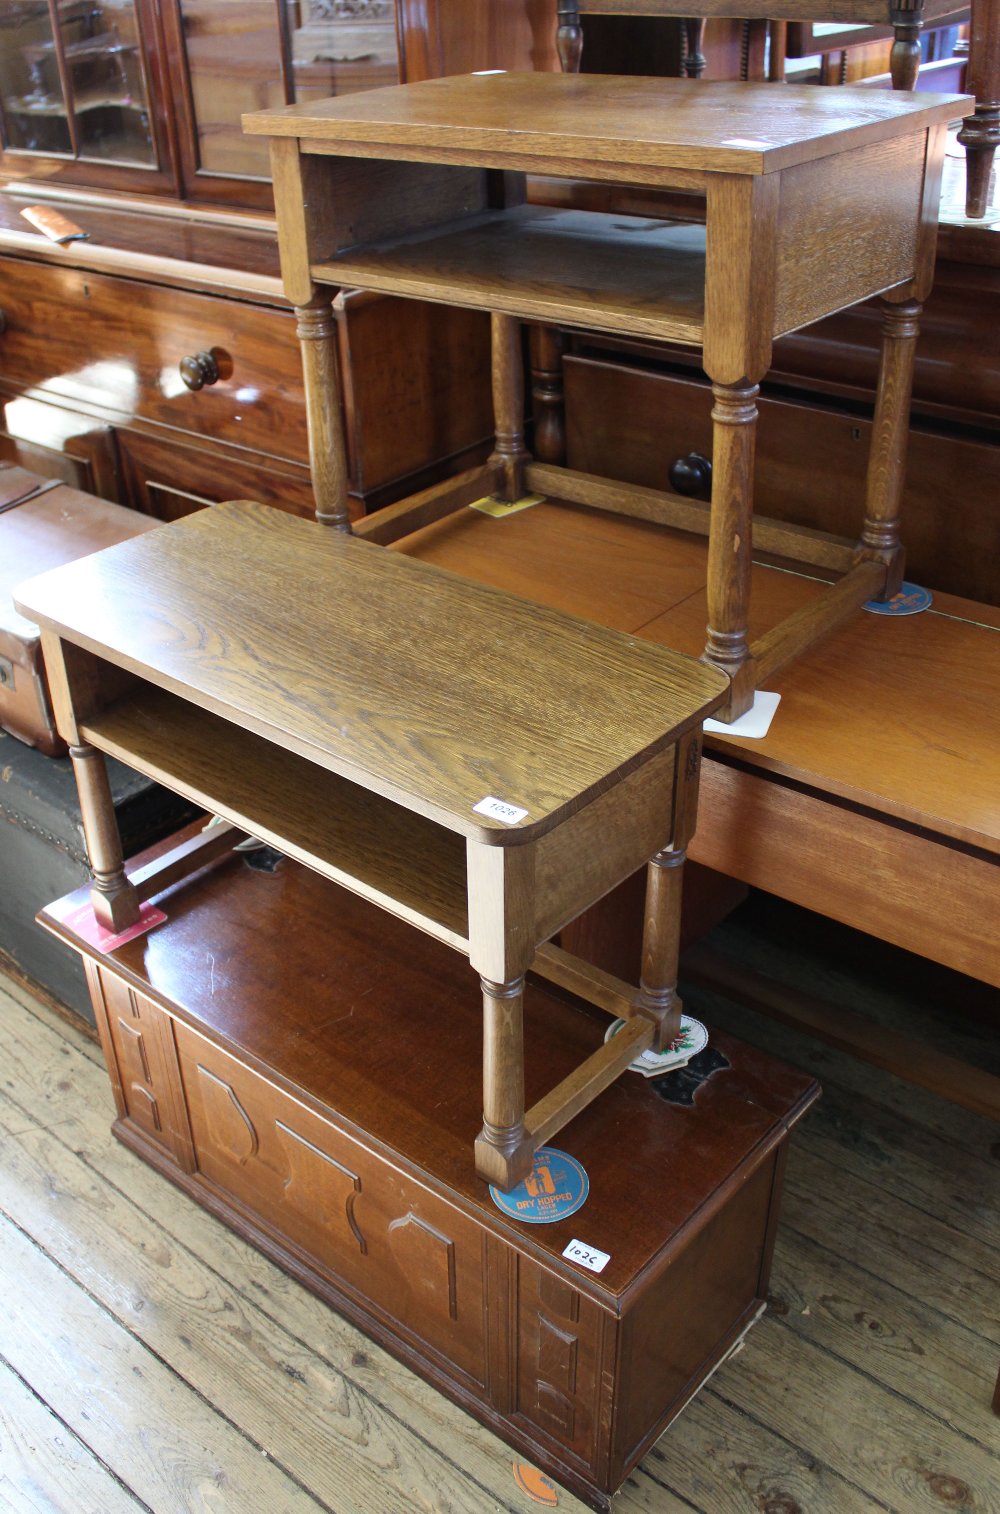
309, 1069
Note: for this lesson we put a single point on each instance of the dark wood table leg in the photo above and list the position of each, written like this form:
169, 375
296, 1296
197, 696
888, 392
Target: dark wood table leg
510, 454
980, 133
327, 446
887, 461
569, 37
907, 17
115, 901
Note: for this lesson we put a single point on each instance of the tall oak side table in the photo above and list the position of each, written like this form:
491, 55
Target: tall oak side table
814, 199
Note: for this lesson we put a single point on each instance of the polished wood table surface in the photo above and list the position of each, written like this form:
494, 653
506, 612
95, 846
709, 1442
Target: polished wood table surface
813, 200
367, 714
873, 799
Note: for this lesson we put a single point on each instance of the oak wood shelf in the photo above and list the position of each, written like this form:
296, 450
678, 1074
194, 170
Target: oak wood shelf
392, 856
539, 264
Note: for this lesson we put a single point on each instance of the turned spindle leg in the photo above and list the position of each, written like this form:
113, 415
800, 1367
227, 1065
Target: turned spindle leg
503, 1155
980, 133
734, 418
657, 998
113, 897
327, 446
510, 454
547, 394
569, 37
694, 45
904, 60
890, 432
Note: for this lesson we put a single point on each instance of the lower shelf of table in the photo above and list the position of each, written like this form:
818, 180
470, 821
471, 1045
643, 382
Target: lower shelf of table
310, 1072
400, 860
581, 268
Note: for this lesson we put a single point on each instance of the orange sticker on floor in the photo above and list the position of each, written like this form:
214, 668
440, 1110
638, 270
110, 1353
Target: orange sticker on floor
537, 1486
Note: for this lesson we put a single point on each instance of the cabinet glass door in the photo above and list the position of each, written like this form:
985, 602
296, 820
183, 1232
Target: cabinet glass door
247, 55
73, 81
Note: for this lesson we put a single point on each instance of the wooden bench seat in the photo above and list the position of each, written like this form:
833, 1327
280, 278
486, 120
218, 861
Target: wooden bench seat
875, 798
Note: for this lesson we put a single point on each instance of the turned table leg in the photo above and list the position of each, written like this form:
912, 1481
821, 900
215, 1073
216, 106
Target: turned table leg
510, 454
694, 46
502, 1156
890, 433
501, 896
548, 394
980, 133
569, 37
114, 899
657, 998
907, 17
734, 418
327, 446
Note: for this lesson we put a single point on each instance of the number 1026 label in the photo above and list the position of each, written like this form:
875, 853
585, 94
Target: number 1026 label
587, 1256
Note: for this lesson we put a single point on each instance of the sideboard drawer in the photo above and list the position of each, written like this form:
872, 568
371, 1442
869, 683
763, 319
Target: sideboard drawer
383, 1236
117, 344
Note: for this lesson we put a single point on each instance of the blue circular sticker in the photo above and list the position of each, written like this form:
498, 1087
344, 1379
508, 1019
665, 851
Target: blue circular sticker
556, 1187
910, 600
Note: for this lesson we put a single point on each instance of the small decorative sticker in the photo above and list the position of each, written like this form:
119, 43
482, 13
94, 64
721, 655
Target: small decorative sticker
499, 809
910, 600
556, 1187
587, 1256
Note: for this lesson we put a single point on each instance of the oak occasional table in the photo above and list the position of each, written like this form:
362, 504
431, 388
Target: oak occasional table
813, 199
354, 708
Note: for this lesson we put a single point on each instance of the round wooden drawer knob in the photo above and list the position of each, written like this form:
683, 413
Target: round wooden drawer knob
692, 475
199, 370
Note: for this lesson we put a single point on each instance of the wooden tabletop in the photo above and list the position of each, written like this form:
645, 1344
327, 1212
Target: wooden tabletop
434, 691
670, 123
899, 716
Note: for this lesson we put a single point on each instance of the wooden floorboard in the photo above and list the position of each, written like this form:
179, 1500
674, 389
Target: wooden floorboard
150, 1359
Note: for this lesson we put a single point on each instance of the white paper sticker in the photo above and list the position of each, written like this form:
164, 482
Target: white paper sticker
755, 724
746, 142
587, 1256
498, 809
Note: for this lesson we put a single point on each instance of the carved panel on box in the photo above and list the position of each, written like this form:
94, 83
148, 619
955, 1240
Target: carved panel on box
319, 1187
134, 1030
376, 1233
426, 1258
230, 1128
560, 1335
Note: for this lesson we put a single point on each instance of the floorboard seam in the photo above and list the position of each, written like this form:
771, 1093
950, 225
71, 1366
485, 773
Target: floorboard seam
254, 1303
162, 1360
74, 1435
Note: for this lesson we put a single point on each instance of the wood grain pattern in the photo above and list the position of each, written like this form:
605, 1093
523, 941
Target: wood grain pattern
652, 122
388, 854
919, 893
610, 703
848, 227
543, 264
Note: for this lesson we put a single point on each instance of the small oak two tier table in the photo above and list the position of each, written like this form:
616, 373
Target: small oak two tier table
476, 764
813, 199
